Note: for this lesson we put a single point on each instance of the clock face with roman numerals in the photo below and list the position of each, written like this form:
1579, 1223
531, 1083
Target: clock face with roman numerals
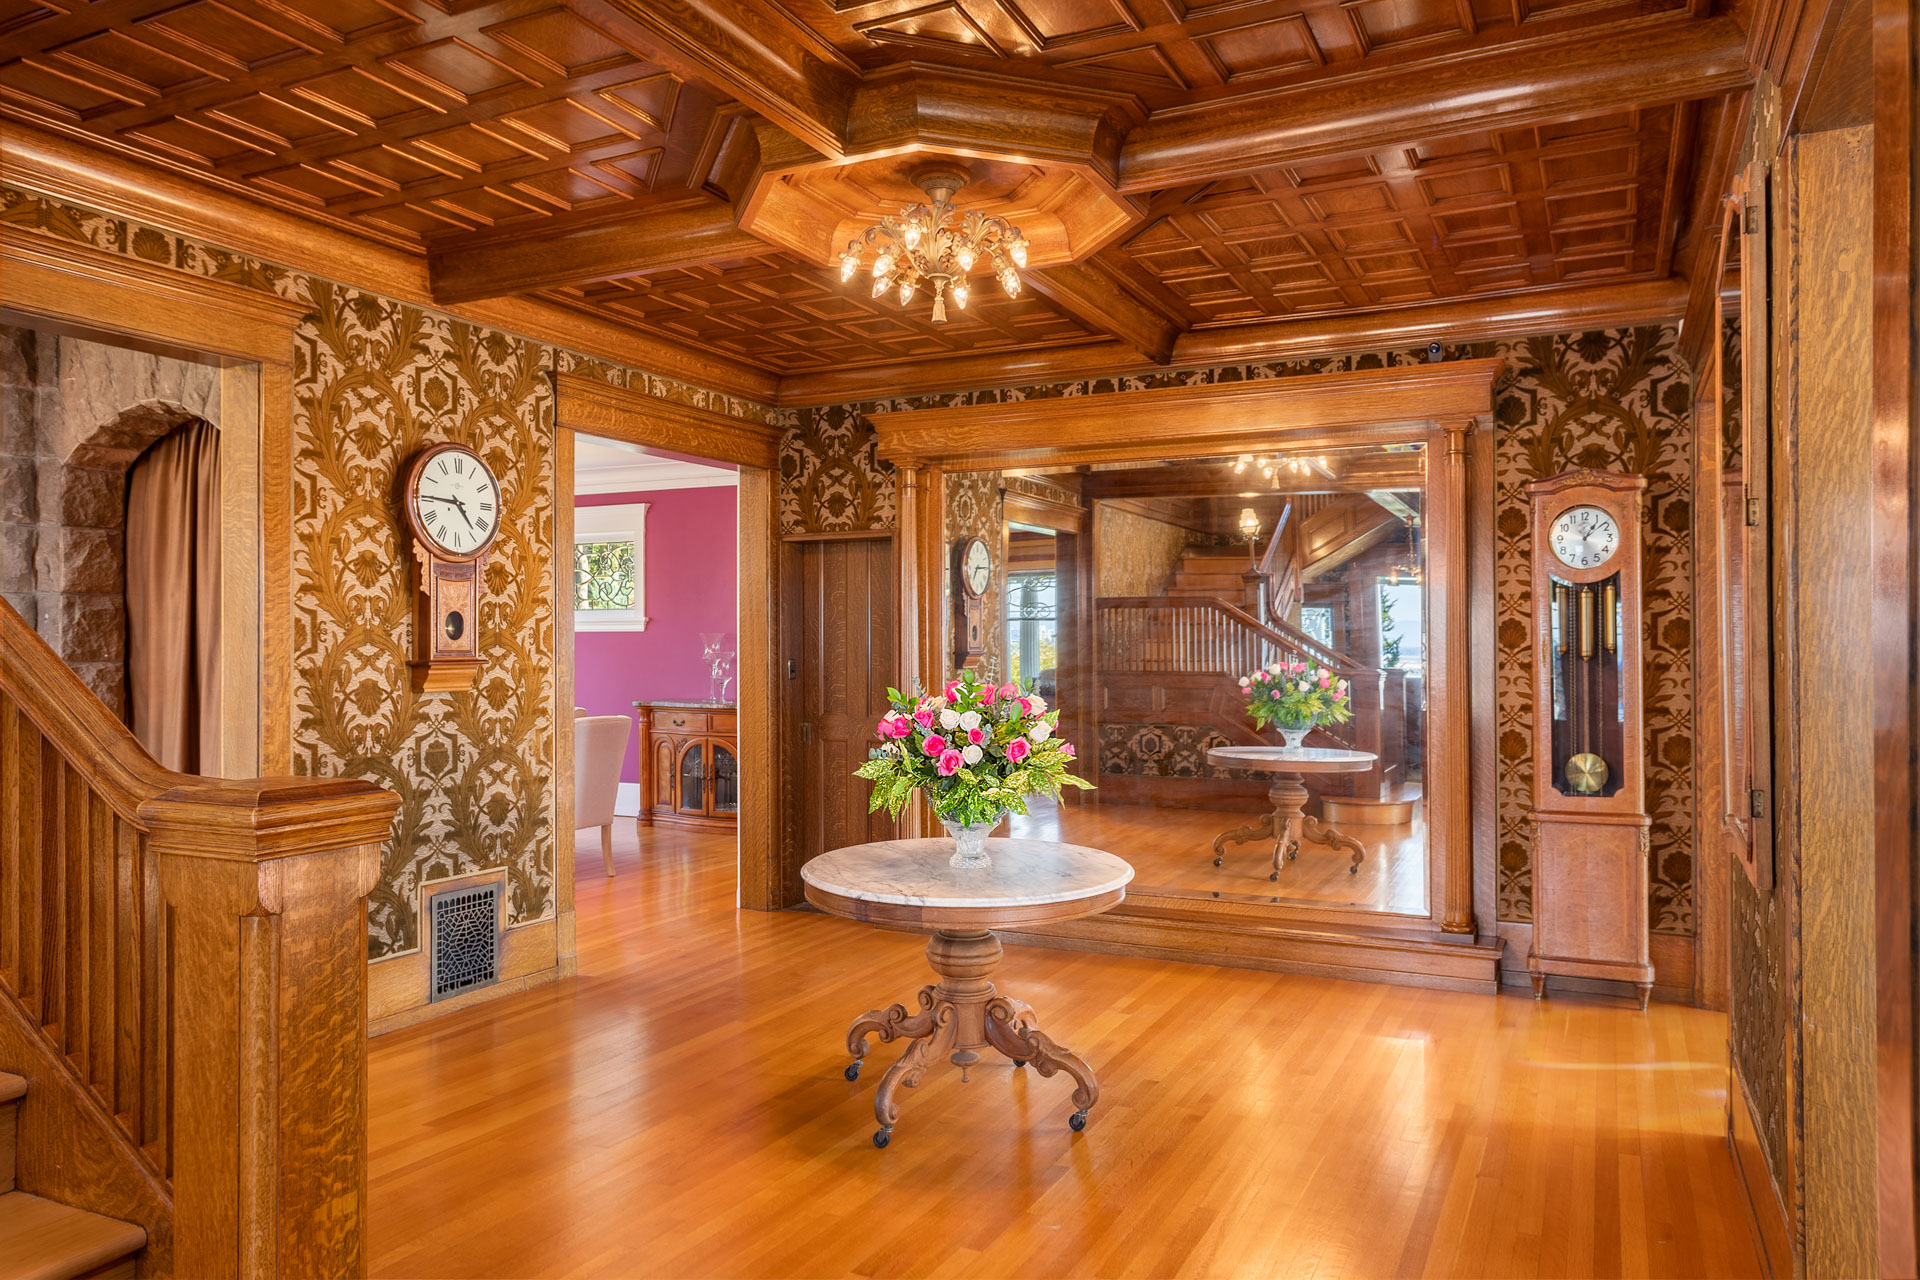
1585, 537
456, 503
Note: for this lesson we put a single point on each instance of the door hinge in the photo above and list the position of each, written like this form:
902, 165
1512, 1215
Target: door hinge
806, 733
1756, 804
1753, 512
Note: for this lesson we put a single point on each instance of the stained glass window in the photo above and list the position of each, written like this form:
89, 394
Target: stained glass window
603, 575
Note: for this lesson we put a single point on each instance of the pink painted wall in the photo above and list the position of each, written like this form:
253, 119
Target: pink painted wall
692, 568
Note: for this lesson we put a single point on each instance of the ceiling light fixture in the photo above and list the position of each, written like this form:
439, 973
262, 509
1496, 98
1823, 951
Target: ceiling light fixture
933, 247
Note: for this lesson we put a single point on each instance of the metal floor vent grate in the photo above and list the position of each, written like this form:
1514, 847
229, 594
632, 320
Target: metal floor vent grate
466, 939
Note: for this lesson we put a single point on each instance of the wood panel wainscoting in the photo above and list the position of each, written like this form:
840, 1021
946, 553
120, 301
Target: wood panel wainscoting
183, 984
1438, 406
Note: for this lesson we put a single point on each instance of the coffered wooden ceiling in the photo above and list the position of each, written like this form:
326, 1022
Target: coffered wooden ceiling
676, 166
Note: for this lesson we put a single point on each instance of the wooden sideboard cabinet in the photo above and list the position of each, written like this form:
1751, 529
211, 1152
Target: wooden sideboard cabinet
689, 764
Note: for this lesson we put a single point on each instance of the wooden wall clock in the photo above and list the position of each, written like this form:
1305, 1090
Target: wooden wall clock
452, 503
972, 575
1590, 824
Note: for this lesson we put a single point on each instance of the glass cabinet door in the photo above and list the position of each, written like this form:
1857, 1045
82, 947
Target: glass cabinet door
693, 779
726, 779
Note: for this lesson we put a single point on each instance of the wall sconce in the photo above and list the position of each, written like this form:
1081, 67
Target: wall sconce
1249, 523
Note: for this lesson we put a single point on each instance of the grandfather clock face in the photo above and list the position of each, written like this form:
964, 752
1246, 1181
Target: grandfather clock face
1584, 537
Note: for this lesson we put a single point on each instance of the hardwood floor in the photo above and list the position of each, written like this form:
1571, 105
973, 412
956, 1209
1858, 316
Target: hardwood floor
1172, 852
678, 1110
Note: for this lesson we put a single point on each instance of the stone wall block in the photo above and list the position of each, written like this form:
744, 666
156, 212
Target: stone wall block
92, 628
23, 603
18, 367
83, 497
81, 560
19, 490
19, 407
108, 681
97, 384
17, 546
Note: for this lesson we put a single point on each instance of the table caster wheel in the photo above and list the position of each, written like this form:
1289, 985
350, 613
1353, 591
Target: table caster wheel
852, 1072
1353, 871
1019, 1062
1216, 862
1077, 1121
1274, 876
882, 1137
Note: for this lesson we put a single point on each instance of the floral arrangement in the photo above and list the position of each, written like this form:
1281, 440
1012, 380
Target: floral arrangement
1296, 695
977, 750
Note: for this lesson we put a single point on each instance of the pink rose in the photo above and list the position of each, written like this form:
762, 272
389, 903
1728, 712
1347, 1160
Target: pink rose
1018, 750
1008, 689
1325, 682
885, 728
1260, 676
949, 763
924, 717
1066, 751
1026, 706
934, 744
987, 694
952, 690
977, 736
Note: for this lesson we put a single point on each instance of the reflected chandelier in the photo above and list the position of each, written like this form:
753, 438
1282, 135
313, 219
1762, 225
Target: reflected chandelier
935, 246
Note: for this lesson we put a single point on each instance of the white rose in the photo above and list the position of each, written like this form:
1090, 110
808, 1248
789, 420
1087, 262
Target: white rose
1039, 733
969, 719
972, 754
1273, 668
1302, 686
1039, 704
1244, 682
950, 718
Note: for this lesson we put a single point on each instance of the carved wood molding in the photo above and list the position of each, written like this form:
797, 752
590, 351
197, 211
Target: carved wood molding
587, 404
1215, 418
1476, 320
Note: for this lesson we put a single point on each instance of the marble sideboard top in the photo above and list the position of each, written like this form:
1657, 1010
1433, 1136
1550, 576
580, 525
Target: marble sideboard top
916, 873
1292, 759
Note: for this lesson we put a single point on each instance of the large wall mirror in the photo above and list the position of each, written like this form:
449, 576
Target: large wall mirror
1200, 572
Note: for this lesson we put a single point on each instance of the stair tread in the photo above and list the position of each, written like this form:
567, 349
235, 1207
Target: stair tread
12, 1086
45, 1240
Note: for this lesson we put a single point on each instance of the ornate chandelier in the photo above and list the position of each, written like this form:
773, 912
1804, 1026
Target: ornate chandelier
934, 247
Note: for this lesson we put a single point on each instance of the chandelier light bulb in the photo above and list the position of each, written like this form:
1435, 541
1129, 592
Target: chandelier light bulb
912, 236
966, 257
879, 285
882, 265
906, 292
848, 265
960, 296
1019, 252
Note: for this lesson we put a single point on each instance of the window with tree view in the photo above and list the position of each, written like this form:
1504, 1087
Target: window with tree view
1032, 630
603, 576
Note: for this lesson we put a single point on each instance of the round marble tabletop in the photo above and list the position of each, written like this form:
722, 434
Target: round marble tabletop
1292, 759
912, 882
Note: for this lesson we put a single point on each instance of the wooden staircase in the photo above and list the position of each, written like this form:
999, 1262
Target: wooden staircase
1210, 573
183, 992
44, 1239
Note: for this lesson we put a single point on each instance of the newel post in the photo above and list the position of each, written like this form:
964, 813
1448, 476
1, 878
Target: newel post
266, 885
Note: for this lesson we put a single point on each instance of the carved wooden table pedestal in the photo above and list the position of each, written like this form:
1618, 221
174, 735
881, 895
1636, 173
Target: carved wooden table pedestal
911, 882
1288, 824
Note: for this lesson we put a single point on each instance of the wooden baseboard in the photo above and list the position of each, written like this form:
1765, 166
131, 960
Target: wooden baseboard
397, 989
1672, 956
1772, 1232
1397, 958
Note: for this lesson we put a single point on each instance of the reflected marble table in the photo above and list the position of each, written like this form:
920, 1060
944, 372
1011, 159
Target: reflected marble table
1289, 823
910, 882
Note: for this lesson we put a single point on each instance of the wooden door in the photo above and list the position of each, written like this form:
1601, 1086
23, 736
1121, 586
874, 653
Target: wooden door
841, 643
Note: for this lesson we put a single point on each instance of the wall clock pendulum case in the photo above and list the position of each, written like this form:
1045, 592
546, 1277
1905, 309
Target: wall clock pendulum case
1590, 825
451, 499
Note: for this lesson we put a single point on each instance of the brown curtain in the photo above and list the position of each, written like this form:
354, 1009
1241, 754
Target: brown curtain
173, 598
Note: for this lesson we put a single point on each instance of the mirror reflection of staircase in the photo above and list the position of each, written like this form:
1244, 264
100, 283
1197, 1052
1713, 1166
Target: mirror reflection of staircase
1169, 666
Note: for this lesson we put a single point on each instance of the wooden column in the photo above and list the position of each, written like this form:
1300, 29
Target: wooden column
1448, 700
268, 883
919, 544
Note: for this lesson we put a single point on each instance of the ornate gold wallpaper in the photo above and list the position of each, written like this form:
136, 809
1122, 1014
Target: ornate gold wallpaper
1614, 399
374, 380
1137, 554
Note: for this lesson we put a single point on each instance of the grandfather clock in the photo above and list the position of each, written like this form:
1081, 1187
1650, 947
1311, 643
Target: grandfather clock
1590, 822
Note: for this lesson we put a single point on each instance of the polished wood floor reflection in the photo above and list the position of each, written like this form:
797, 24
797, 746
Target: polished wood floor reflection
1172, 852
678, 1110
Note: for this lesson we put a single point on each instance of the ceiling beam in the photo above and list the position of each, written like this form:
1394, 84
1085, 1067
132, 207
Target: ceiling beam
1671, 60
688, 235
751, 49
1087, 293
1461, 320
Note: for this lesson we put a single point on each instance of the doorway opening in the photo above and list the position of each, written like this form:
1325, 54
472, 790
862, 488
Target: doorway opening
654, 571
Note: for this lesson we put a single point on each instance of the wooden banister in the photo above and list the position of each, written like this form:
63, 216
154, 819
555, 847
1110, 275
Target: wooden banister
183, 983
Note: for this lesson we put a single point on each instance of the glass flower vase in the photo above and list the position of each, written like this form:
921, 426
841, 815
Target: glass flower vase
1293, 736
970, 841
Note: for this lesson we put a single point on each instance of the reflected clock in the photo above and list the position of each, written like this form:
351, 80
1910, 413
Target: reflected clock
972, 575
1590, 822
452, 503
